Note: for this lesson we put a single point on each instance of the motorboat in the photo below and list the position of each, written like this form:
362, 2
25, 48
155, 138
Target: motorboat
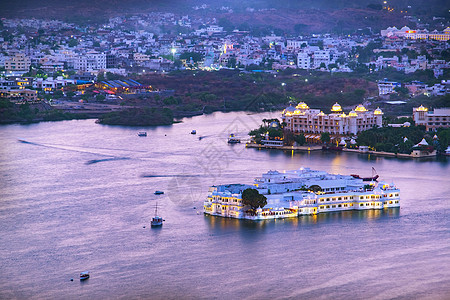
142, 133
159, 192
194, 132
232, 139
84, 275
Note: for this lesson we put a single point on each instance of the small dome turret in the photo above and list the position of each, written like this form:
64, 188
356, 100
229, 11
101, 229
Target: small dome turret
302, 105
336, 108
360, 108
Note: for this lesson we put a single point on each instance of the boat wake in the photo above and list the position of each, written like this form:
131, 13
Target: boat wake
109, 157
94, 161
174, 175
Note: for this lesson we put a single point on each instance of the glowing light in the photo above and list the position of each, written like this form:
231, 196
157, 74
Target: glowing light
336, 107
360, 108
302, 105
422, 108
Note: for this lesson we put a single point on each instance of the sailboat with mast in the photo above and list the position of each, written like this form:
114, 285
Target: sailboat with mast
157, 221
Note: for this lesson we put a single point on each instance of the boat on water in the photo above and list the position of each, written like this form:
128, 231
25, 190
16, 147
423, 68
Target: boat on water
142, 133
157, 221
447, 151
373, 178
84, 275
194, 132
232, 139
159, 192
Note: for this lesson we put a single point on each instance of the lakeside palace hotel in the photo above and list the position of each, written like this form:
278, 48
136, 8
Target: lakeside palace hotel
302, 119
287, 196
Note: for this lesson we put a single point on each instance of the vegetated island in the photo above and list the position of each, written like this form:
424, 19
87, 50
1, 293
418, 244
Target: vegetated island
144, 116
32, 113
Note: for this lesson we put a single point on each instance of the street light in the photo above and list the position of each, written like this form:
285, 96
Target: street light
173, 50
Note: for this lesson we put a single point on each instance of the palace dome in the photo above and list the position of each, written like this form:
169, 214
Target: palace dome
352, 114
302, 105
378, 111
336, 108
422, 108
290, 109
360, 108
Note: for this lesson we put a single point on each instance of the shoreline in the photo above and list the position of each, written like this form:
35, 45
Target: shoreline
317, 148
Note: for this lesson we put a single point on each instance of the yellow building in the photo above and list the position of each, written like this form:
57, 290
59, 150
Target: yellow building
302, 119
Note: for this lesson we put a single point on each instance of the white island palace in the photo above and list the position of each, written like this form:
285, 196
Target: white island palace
289, 194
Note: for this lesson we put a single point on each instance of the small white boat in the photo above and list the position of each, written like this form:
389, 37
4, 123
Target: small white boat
194, 132
232, 139
142, 133
159, 192
157, 221
84, 275
447, 151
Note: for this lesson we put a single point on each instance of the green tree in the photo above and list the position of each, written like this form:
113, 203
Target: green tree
253, 198
325, 137
300, 139
226, 24
315, 188
73, 42
100, 97
196, 57
101, 76
231, 62
402, 90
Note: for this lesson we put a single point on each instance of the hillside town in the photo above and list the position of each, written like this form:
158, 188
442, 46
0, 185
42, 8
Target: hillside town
66, 65
50, 54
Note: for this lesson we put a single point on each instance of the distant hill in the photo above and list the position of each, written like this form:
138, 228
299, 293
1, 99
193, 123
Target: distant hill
308, 15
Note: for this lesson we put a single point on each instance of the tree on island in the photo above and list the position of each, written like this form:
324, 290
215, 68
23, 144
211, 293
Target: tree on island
315, 188
254, 199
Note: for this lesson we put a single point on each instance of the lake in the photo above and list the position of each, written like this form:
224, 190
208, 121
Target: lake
76, 196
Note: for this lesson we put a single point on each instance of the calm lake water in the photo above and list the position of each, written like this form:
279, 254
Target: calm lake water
76, 195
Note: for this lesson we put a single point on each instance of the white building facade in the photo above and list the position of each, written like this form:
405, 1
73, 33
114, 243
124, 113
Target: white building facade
91, 61
303, 61
288, 195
